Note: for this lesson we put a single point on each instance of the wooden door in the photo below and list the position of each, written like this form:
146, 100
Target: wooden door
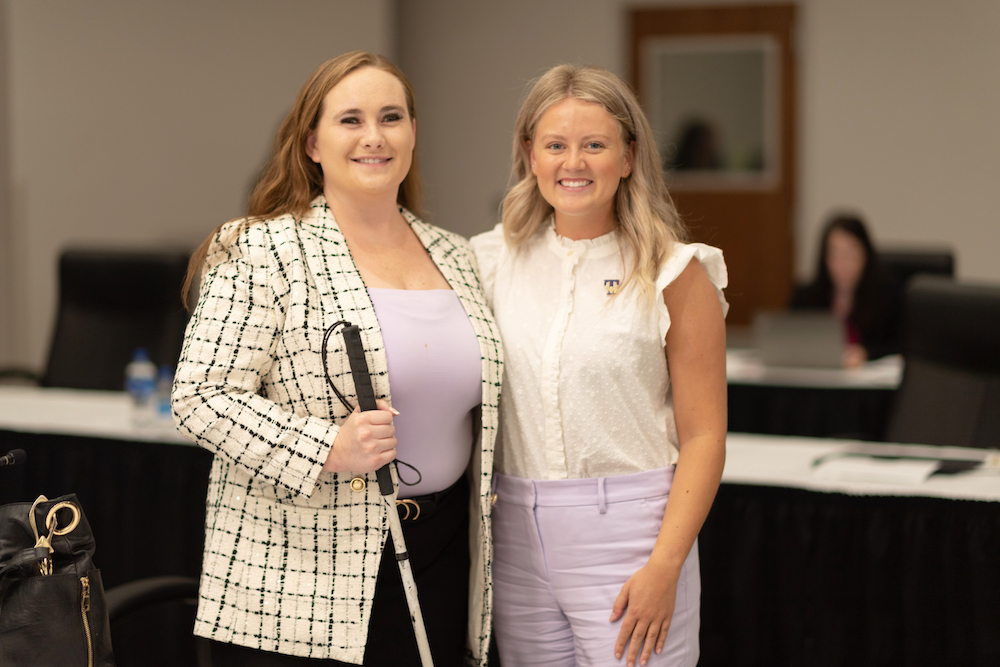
748, 216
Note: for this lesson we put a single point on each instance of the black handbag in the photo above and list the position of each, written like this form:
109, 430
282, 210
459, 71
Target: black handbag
52, 610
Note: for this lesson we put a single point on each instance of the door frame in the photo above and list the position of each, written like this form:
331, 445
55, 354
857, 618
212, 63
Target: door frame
753, 225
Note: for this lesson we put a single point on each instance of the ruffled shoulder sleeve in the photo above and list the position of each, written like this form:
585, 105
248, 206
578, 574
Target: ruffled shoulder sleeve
490, 248
711, 260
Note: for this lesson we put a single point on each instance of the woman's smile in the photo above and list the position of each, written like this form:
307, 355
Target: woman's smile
578, 158
364, 136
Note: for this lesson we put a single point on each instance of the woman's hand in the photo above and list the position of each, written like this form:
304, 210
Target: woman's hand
365, 442
854, 355
647, 600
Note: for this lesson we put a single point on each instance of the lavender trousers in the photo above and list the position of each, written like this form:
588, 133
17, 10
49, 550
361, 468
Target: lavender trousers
563, 549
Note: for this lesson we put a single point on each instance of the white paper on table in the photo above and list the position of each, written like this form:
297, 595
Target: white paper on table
874, 470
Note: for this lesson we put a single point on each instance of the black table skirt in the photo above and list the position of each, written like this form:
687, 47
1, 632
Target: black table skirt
855, 414
792, 577
789, 577
145, 501
146, 505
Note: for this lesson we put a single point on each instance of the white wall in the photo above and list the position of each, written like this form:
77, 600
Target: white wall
899, 108
901, 120
469, 63
144, 123
6, 294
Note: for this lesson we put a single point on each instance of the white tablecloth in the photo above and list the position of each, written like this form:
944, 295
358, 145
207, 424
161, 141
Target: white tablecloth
100, 414
744, 367
764, 460
769, 460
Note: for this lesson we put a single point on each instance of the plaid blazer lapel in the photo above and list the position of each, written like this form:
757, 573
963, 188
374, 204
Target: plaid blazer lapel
343, 295
455, 259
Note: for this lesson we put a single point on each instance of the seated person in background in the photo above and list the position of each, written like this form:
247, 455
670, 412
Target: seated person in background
850, 283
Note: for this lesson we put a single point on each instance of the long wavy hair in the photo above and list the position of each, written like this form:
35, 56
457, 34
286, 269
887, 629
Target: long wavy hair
645, 216
290, 180
868, 299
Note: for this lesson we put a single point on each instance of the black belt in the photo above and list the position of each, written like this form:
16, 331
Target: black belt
424, 507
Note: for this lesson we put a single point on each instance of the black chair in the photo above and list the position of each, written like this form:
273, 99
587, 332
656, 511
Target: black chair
950, 393
151, 623
901, 265
110, 303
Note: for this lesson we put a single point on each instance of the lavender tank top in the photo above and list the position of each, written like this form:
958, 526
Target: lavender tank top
435, 376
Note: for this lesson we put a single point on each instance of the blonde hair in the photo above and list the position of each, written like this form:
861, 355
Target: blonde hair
290, 180
645, 216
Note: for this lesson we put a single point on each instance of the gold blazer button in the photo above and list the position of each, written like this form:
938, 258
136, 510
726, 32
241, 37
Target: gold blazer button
358, 484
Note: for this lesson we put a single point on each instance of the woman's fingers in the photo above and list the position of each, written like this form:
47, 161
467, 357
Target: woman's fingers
388, 456
637, 640
643, 638
623, 636
366, 441
662, 640
375, 427
375, 434
621, 602
649, 641
645, 605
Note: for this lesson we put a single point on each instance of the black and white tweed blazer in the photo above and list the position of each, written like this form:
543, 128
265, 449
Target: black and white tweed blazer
292, 553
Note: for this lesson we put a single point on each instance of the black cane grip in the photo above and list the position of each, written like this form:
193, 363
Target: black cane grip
384, 480
365, 391
359, 368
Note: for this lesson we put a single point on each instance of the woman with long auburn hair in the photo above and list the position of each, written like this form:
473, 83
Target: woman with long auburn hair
298, 565
613, 418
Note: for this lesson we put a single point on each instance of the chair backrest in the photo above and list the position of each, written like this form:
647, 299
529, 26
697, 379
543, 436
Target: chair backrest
110, 303
901, 265
950, 394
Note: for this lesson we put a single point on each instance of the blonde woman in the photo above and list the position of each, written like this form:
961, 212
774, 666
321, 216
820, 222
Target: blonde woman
613, 417
297, 567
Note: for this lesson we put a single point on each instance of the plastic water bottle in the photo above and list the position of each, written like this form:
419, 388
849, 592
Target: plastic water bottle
164, 383
140, 383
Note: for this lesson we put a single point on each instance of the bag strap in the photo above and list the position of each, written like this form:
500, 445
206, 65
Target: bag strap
23, 558
43, 542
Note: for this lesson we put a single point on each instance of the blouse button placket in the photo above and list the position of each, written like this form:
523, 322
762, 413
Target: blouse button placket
555, 449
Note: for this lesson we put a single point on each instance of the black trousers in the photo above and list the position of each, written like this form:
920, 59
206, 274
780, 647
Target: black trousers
439, 555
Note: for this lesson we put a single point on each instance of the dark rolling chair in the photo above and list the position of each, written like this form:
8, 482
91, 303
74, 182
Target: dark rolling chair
110, 303
950, 393
899, 266
151, 621
902, 265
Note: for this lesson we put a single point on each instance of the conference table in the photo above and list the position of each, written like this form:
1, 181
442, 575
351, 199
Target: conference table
142, 489
846, 403
815, 552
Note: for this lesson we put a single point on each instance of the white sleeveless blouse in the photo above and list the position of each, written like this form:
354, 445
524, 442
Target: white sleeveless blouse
586, 390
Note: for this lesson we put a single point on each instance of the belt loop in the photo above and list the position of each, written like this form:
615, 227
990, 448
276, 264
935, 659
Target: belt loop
602, 501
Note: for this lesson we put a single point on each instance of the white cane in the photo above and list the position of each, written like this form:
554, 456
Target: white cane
366, 401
